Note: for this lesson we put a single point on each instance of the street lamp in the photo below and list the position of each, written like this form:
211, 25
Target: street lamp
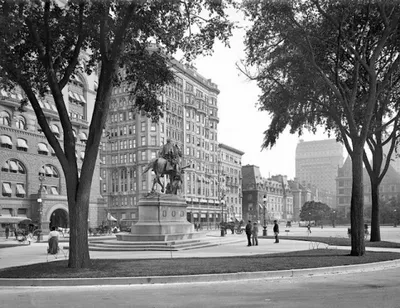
40, 202
265, 223
222, 218
395, 218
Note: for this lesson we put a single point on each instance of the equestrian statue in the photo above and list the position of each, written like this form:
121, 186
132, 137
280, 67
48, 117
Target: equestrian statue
168, 163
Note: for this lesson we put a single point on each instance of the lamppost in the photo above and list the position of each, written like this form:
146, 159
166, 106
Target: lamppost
222, 218
40, 202
334, 219
395, 218
265, 223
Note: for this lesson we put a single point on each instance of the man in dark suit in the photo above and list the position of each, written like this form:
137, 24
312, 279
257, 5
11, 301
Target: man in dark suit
249, 228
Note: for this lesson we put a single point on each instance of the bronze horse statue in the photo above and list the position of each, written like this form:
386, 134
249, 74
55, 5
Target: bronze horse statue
159, 166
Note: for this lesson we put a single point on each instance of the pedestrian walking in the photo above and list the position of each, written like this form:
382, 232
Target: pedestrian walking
248, 232
7, 232
276, 231
309, 229
254, 233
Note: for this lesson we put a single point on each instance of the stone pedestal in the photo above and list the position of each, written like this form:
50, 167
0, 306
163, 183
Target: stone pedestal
162, 217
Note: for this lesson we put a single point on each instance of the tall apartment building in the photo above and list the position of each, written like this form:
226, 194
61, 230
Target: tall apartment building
230, 181
317, 163
275, 191
32, 180
131, 140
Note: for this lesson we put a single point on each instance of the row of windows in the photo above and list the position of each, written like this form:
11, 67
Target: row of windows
22, 145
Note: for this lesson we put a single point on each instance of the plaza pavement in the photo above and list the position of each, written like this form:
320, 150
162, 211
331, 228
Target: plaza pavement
229, 245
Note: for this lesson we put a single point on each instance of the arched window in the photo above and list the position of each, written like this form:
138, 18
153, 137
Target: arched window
5, 118
20, 122
13, 166
49, 171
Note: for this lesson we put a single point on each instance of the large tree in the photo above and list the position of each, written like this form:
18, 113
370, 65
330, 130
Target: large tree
41, 42
384, 134
325, 63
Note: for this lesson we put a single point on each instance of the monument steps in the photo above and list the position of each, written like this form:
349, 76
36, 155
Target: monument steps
148, 246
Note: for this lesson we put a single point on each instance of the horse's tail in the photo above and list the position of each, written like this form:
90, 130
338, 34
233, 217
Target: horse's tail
149, 166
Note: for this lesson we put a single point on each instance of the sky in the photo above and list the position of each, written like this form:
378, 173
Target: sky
241, 125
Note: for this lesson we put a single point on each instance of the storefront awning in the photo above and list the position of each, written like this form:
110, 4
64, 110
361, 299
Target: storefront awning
13, 219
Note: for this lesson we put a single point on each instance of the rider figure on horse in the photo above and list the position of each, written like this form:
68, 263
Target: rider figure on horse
171, 154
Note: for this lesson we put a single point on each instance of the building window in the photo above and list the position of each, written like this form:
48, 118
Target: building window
143, 140
5, 118
153, 140
55, 130
143, 126
22, 145
49, 171
20, 123
20, 190
5, 142
6, 191
143, 155
43, 149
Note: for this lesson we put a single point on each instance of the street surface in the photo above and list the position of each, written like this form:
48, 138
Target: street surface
372, 289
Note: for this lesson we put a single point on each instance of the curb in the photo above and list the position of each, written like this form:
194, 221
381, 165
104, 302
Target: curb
294, 273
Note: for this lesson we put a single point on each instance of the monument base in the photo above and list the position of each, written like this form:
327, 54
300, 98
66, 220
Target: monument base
162, 217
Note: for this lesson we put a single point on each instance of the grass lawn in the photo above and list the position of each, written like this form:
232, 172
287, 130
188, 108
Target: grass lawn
337, 241
195, 266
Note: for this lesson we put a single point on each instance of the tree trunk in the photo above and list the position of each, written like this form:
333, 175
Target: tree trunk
357, 204
78, 239
375, 225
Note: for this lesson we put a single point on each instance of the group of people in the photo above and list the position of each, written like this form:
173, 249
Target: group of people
252, 233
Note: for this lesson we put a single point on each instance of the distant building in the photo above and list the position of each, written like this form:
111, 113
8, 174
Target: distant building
317, 163
231, 181
272, 194
301, 194
388, 189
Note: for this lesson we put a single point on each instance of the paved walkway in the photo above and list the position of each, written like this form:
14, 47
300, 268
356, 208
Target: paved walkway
229, 245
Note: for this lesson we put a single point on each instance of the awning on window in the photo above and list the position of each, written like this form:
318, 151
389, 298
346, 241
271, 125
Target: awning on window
81, 98
55, 129
7, 188
82, 136
5, 140
53, 190
43, 148
3, 93
21, 143
49, 171
20, 189
13, 165
5, 166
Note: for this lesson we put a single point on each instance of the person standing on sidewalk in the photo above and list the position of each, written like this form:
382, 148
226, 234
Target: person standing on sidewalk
7, 232
254, 233
276, 231
248, 232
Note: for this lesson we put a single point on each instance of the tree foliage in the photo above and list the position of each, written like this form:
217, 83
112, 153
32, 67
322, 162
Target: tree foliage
317, 211
41, 46
325, 63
